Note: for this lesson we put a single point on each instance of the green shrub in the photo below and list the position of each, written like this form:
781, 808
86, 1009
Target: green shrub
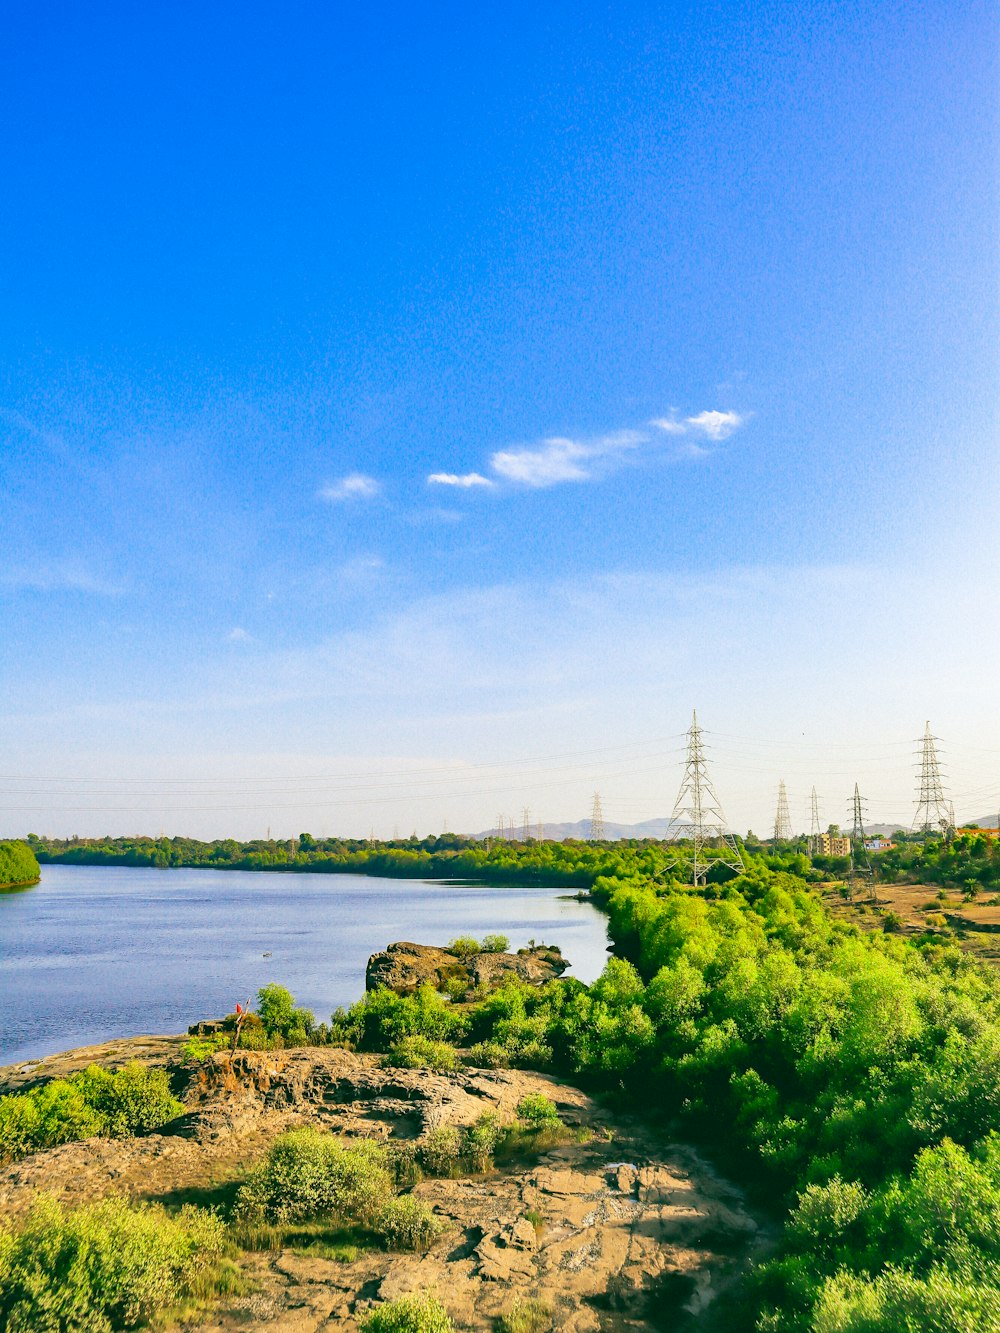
525, 1316
407, 1223
308, 1173
538, 1111
489, 1055
280, 1017
18, 865
440, 1151
382, 1018
105, 1266
495, 944
465, 946
417, 1052
479, 1141
201, 1049
410, 1314
132, 1100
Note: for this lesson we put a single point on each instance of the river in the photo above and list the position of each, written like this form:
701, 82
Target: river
98, 952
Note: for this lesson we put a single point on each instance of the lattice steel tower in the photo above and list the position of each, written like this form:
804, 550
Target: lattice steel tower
782, 819
861, 866
815, 835
698, 814
597, 820
932, 808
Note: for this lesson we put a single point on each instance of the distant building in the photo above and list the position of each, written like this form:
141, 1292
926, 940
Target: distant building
879, 844
970, 831
831, 845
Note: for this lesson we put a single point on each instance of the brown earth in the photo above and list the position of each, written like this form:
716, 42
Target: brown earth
615, 1227
973, 926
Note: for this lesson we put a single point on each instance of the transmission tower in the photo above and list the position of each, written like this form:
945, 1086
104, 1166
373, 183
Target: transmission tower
525, 824
932, 809
861, 868
697, 816
782, 819
814, 830
597, 820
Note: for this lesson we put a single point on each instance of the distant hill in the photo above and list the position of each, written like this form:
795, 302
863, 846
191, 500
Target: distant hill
649, 828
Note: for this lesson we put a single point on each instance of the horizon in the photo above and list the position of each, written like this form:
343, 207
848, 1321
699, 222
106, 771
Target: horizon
407, 418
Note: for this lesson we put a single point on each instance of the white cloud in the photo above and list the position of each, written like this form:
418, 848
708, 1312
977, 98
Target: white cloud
465, 480
239, 635
355, 486
557, 459
716, 425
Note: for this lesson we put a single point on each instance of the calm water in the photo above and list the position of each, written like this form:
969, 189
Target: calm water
94, 953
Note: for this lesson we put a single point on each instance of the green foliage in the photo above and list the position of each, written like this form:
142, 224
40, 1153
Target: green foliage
201, 1049
280, 1018
382, 1019
495, 944
440, 1151
538, 1111
419, 1052
410, 1314
525, 1316
407, 1223
18, 865
465, 946
308, 1174
105, 1266
480, 1140
131, 1100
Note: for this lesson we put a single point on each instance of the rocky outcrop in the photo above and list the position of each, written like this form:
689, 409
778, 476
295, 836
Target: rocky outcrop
613, 1227
404, 966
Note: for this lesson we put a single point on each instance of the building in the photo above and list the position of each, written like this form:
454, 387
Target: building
879, 844
832, 845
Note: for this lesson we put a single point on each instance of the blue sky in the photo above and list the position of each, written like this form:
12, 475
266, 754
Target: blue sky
698, 301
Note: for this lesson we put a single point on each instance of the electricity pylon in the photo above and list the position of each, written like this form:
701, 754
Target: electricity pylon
932, 809
597, 820
814, 830
782, 819
698, 814
525, 824
861, 867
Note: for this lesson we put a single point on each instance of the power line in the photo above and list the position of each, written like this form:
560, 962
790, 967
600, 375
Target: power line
932, 809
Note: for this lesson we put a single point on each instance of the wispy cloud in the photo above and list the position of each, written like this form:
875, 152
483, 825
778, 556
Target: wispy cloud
239, 635
464, 480
57, 576
712, 424
355, 486
556, 460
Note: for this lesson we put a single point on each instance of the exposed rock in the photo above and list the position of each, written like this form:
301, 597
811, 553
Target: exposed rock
404, 966
618, 1230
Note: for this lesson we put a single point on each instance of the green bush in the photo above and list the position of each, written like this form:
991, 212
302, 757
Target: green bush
538, 1111
417, 1052
440, 1151
382, 1018
105, 1266
280, 1018
464, 947
131, 1100
479, 1141
489, 1055
525, 1316
307, 1174
495, 944
18, 865
407, 1223
410, 1314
